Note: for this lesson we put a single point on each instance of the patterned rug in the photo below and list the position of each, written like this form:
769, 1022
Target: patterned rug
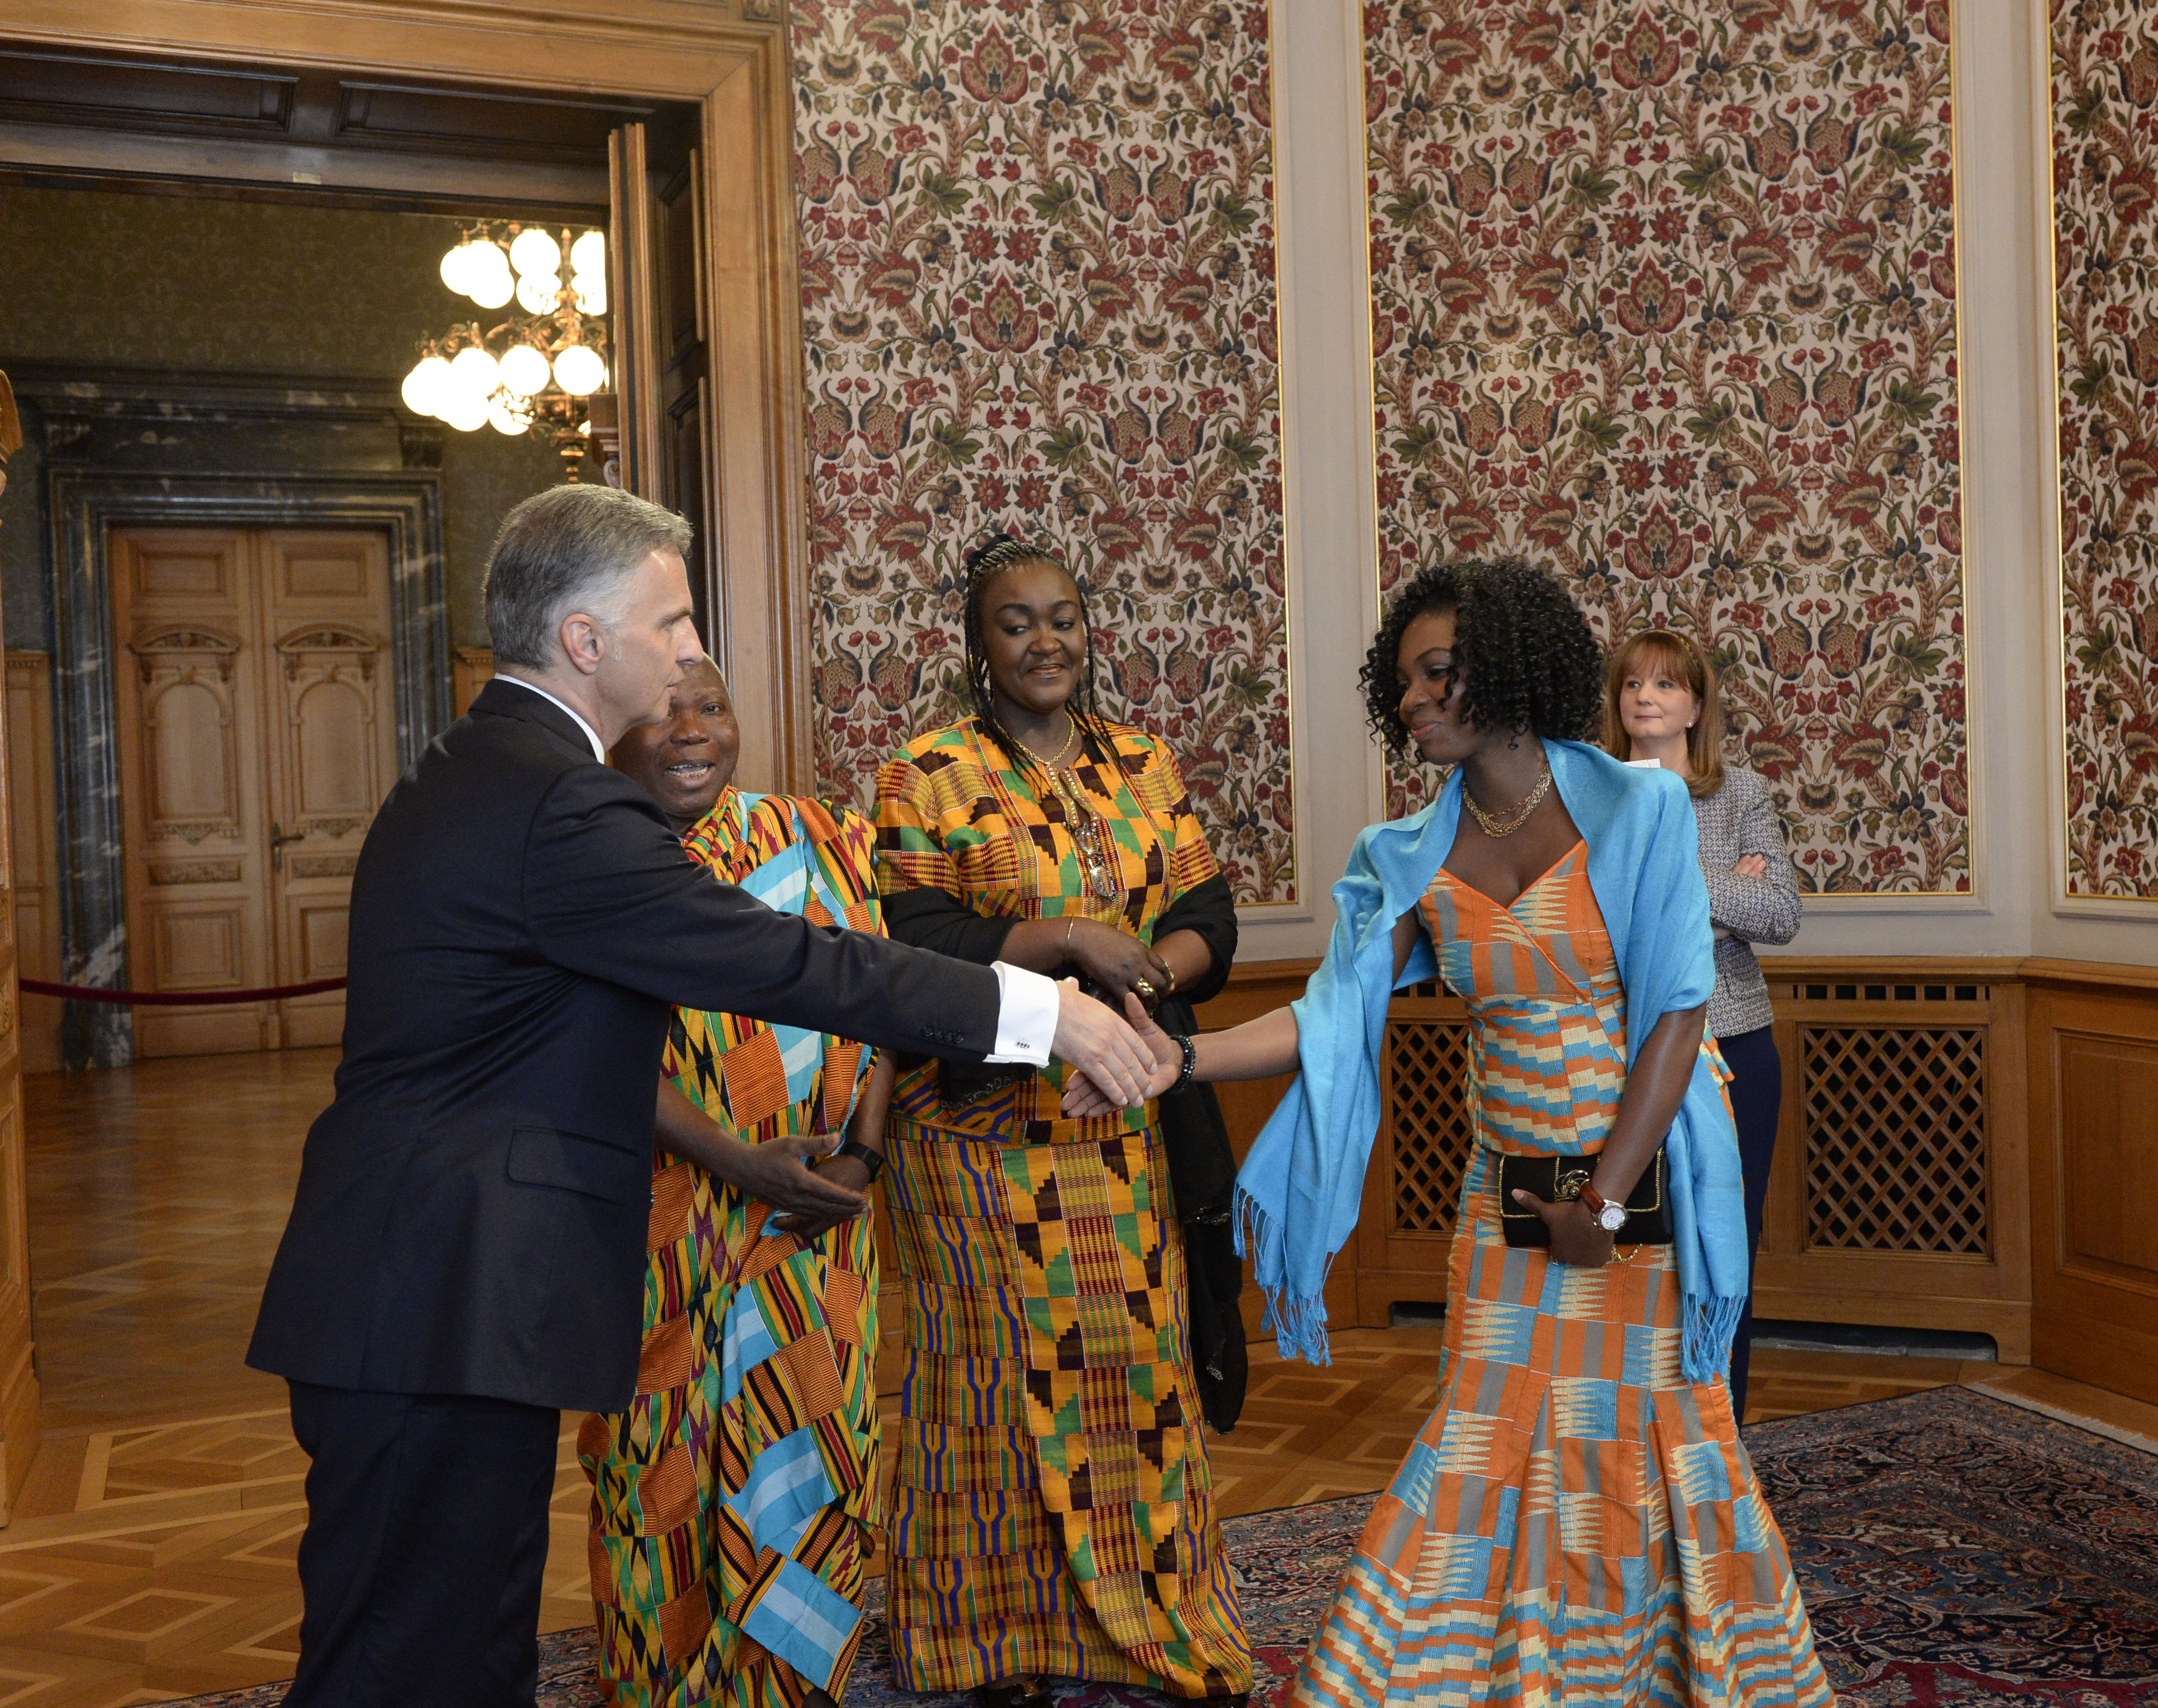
1955, 1552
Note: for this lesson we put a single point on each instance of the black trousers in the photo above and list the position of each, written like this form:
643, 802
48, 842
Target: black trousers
1756, 1099
426, 1538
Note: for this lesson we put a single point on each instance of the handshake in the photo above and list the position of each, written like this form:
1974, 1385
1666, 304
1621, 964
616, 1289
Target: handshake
1116, 1061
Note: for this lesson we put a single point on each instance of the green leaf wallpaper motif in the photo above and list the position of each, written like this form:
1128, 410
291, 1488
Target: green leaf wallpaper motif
1663, 296
1038, 289
2105, 268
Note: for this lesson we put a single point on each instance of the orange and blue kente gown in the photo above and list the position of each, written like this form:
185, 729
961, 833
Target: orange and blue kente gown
1575, 1523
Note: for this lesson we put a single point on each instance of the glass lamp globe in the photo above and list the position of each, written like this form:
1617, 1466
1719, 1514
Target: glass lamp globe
534, 251
457, 267
475, 372
524, 370
591, 292
536, 292
427, 386
504, 420
580, 371
487, 281
464, 411
588, 254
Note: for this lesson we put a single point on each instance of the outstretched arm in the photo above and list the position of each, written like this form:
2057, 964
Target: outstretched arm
1258, 1049
608, 892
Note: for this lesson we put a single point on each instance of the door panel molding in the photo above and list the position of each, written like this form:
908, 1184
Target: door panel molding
85, 506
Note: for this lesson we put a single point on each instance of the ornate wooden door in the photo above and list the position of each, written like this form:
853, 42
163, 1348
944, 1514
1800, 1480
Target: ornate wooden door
258, 733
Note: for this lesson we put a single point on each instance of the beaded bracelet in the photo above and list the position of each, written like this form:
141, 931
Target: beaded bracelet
1190, 1060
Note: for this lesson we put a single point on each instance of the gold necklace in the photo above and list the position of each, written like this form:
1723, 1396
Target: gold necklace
1070, 741
1501, 824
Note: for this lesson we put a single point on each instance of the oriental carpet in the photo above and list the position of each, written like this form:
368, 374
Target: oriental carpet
1956, 1551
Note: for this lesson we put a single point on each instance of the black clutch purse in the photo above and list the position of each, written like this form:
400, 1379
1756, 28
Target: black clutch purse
1559, 1181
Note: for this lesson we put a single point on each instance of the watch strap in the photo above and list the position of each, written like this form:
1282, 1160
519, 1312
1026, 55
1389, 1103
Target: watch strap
1599, 1205
873, 1160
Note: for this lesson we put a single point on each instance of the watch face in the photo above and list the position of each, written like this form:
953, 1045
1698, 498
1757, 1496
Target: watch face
1612, 1220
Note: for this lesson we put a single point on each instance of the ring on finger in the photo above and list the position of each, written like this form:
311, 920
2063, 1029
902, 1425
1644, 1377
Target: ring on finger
1144, 989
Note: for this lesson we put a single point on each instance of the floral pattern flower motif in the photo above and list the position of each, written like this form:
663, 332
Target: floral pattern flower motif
1664, 296
2106, 264
1038, 291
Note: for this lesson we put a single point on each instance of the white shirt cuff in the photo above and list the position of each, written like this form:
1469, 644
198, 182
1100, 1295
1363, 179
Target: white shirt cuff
1026, 1014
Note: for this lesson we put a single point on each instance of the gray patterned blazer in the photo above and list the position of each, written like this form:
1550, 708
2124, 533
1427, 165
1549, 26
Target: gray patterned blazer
1738, 819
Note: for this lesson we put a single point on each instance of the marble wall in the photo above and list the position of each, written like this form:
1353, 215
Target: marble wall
111, 281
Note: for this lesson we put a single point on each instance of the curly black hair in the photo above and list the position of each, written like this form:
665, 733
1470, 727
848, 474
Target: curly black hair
1000, 552
1529, 659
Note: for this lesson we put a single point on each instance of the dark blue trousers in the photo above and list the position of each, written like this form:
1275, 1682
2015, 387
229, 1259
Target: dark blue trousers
1756, 1099
426, 1537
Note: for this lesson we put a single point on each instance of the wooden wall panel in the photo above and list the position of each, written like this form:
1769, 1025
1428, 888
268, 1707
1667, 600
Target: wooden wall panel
471, 669
36, 820
1897, 1196
1413, 1189
18, 1375
2093, 1043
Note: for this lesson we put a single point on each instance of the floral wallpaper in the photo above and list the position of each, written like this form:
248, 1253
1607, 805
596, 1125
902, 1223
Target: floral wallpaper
2105, 184
1664, 296
1038, 285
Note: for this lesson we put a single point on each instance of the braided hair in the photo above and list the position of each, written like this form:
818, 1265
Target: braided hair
994, 555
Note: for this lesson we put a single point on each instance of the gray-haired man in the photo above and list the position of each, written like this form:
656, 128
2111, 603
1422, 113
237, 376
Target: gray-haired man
466, 1251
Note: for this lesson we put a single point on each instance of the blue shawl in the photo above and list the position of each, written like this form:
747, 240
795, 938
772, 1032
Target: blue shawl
1299, 1192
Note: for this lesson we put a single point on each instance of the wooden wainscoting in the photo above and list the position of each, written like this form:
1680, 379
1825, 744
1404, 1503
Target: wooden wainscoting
1899, 1193
2093, 1070
1966, 1144
1897, 1197
1412, 1190
471, 669
36, 838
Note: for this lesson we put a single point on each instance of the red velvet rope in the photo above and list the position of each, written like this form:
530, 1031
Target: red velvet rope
177, 998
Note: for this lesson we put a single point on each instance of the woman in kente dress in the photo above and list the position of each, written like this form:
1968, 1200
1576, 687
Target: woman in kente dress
1577, 1522
1053, 1514
732, 1501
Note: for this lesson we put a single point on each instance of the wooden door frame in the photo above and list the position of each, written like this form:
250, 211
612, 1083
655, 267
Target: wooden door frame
731, 58
85, 506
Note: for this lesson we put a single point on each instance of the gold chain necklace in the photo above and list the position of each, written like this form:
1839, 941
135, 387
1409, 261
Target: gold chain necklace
1499, 824
1070, 741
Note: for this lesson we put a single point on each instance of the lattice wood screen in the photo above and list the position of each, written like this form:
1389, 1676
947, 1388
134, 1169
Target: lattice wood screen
1427, 1066
1896, 1138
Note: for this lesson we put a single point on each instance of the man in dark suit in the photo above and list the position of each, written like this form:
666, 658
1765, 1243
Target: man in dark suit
466, 1252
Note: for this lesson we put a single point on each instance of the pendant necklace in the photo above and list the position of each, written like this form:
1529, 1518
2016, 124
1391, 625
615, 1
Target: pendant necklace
1089, 838
1496, 824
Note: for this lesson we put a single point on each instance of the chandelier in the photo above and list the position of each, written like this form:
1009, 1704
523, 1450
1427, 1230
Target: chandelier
534, 372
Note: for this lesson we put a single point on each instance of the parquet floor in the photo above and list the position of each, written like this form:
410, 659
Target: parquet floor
151, 1553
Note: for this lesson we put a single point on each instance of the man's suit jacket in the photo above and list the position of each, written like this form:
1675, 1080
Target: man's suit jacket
471, 1207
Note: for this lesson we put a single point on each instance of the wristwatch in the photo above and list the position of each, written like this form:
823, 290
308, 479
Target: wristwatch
1609, 1216
873, 1160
